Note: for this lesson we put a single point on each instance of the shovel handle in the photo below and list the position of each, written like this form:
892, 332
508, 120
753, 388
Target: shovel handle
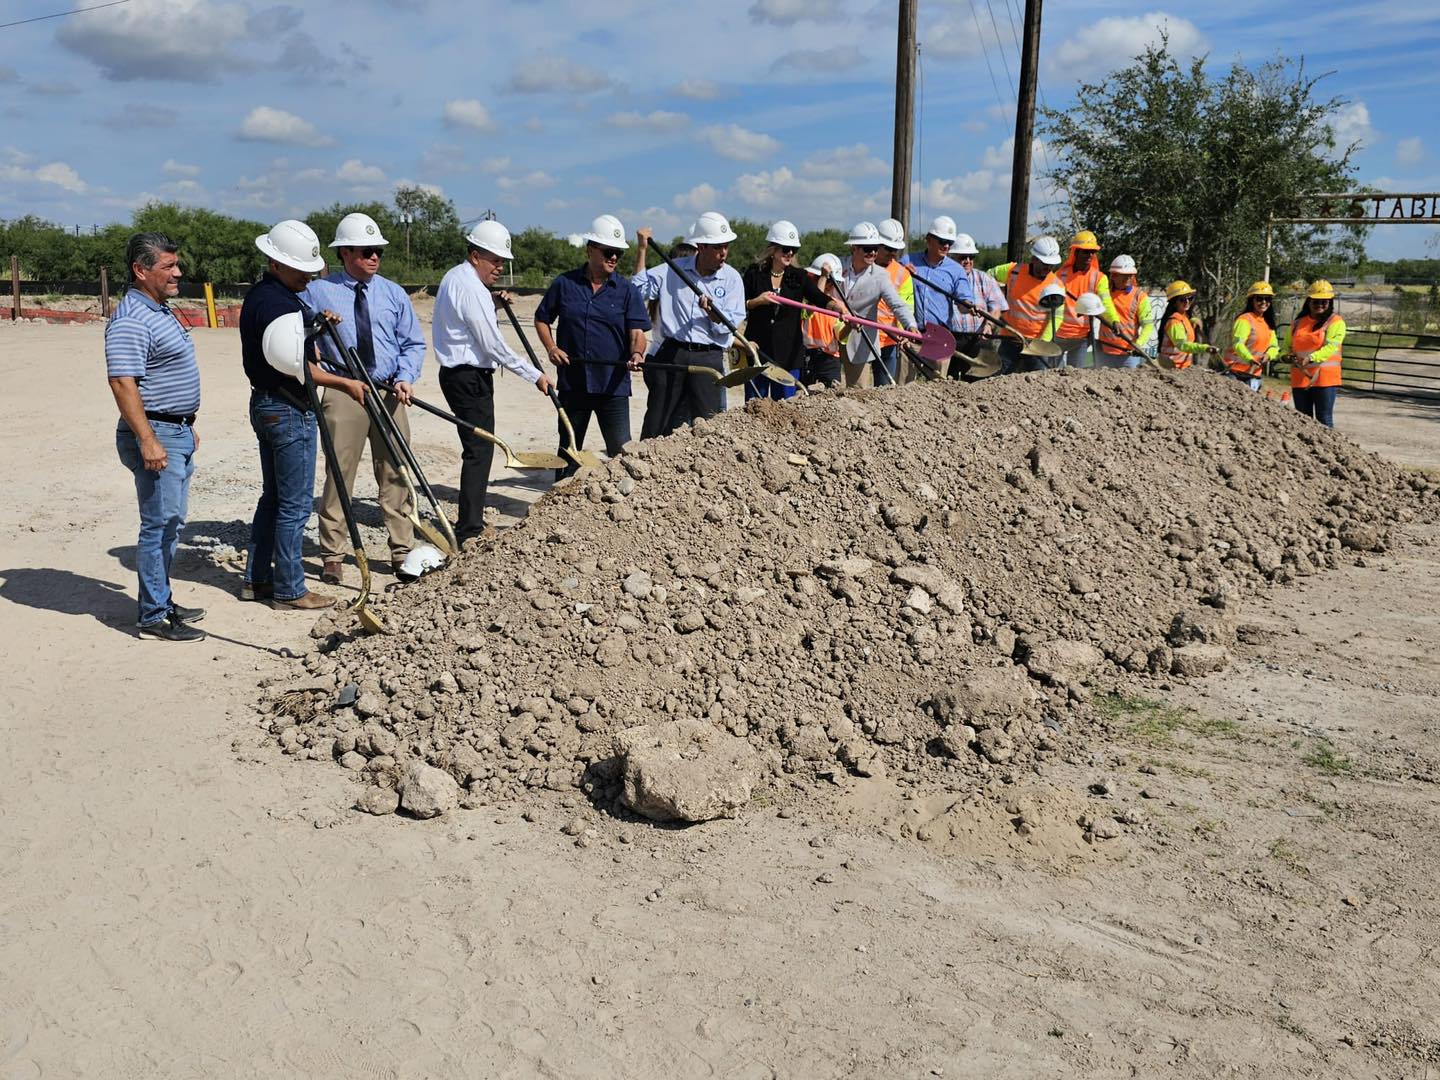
895, 330
529, 349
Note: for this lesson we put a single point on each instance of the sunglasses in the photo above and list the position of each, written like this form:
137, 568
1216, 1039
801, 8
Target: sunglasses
787, 250
869, 249
942, 243
369, 253
1260, 299
610, 253
966, 258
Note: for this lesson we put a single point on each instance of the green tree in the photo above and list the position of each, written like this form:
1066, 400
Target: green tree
436, 240
1182, 170
213, 247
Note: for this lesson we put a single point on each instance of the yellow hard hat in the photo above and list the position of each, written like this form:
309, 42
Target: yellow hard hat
1320, 289
1261, 288
1084, 241
1178, 288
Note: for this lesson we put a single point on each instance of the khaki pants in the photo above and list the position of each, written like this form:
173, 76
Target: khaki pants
350, 428
858, 374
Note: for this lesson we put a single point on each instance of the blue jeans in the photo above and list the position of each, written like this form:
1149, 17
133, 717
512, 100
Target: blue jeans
1076, 352
287, 437
889, 376
1318, 403
1117, 363
164, 497
760, 386
612, 415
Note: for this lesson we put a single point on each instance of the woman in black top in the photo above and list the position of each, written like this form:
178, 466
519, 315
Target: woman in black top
775, 328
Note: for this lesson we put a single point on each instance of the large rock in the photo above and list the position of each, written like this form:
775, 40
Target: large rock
1206, 625
1193, 661
985, 697
1061, 661
685, 770
426, 791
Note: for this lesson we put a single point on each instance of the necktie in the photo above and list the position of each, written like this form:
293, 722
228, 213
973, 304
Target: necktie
364, 339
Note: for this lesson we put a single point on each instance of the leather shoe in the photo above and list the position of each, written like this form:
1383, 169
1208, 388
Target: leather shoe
187, 615
256, 590
310, 601
171, 628
333, 572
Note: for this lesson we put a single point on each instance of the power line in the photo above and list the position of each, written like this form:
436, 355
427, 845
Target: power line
62, 14
1004, 58
980, 36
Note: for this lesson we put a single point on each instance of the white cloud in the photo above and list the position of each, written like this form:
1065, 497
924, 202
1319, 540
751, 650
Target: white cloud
265, 124
429, 189
176, 168
700, 198
470, 114
1110, 43
737, 143
696, 89
1409, 151
961, 194
17, 170
553, 74
844, 161
770, 190
658, 121
530, 181
1003, 156
837, 60
163, 40
495, 164
789, 12
1351, 124
358, 174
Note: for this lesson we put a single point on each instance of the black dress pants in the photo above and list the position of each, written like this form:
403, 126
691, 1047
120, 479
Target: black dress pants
470, 393
677, 397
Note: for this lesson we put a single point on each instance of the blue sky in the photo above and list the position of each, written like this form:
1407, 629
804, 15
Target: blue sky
550, 112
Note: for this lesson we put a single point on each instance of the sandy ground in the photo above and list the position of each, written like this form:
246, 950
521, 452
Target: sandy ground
181, 901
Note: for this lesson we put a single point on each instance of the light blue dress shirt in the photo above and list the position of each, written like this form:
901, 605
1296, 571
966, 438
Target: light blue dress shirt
399, 341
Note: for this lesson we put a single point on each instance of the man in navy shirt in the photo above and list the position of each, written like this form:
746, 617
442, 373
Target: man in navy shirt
150, 361
284, 424
602, 318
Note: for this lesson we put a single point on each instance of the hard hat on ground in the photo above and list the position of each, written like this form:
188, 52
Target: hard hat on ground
892, 234
491, 236
1046, 249
784, 234
1123, 264
606, 231
283, 344
1084, 241
1320, 289
294, 244
712, 227
964, 243
826, 262
943, 228
1052, 296
1261, 288
1177, 289
1088, 304
358, 230
864, 234
420, 561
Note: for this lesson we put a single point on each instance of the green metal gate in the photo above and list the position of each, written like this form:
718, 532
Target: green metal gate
1388, 363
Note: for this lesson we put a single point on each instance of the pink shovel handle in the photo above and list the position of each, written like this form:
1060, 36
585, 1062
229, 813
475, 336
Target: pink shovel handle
895, 330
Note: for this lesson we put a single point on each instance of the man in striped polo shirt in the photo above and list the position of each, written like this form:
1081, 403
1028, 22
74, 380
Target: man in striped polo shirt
150, 360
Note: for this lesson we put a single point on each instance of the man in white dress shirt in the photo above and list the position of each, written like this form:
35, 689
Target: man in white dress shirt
469, 347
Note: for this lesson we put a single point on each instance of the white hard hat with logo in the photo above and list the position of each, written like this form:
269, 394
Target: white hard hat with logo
1052, 296
784, 234
1123, 264
490, 236
825, 262
294, 244
712, 227
420, 561
943, 228
1046, 249
892, 234
606, 231
864, 234
358, 230
964, 244
283, 345
1089, 303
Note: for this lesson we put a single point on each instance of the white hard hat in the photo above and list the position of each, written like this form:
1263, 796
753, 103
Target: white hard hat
712, 227
1089, 303
421, 559
864, 234
826, 262
1123, 264
783, 233
294, 244
689, 238
943, 228
1046, 249
283, 344
964, 244
1052, 296
606, 231
490, 236
358, 230
892, 234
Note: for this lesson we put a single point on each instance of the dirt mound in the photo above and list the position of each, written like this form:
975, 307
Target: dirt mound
923, 584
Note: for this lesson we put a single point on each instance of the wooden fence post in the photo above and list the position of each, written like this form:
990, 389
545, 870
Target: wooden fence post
14, 287
104, 292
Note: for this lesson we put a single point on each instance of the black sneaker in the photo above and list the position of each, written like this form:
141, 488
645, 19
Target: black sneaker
187, 614
171, 628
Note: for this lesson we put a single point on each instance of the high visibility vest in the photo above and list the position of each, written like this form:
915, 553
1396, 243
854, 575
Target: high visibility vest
1127, 308
1171, 352
822, 333
1261, 337
1022, 290
1309, 340
899, 277
1076, 282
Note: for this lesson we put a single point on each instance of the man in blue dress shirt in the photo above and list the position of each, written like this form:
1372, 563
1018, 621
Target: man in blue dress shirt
379, 323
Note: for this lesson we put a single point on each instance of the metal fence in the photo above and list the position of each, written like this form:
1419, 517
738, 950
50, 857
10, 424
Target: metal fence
1392, 363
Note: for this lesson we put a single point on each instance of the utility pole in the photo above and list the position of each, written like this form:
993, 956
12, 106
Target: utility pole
407, 217
1024, 132
904, 114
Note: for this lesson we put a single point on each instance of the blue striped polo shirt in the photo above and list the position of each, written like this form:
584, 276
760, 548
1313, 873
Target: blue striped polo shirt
145, 341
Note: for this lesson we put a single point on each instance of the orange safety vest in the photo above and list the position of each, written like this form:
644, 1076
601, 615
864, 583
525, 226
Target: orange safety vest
1313, 376
1261, 337
1022, 290
822, 333
1127, 307
898, 272
1076, 326
1172, 352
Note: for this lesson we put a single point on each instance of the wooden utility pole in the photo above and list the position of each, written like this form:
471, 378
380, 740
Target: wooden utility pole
14, 286
104, 292
1024, 132
904, 114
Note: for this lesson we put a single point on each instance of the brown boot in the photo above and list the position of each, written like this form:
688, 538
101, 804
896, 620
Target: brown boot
333, 572
311, 601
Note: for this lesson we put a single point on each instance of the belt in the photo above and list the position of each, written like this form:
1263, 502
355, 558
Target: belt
171, 418
694, 346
